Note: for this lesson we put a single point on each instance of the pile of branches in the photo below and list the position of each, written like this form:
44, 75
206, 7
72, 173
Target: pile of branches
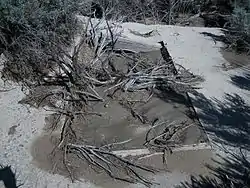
158, 75
66, 82
110, 163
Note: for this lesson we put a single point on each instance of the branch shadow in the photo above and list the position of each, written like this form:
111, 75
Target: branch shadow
242, 82
226, 122
231, 172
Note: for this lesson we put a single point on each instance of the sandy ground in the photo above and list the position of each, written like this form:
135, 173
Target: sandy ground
22, 130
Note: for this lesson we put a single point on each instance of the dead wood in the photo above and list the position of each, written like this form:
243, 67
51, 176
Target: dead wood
107, 161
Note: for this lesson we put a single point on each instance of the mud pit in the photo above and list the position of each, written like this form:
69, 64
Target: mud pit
117, 124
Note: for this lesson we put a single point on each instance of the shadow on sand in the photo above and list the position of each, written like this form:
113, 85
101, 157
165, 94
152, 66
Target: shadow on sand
232, 172
227, 122
242, 82
8, 177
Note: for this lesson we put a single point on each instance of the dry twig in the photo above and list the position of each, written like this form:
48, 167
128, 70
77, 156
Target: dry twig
108, 162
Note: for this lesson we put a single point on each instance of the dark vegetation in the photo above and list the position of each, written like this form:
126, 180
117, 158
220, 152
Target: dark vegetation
34, 33
233, 17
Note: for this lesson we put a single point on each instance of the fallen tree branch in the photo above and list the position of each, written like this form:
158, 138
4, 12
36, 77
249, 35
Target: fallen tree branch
108, 161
